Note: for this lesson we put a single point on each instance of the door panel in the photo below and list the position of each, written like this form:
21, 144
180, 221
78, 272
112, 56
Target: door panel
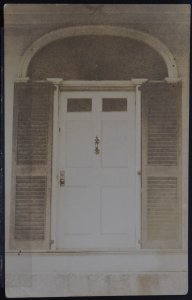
117, 177
77, 217
79, 143
81, 177
95, 207
78, 211
114, 143
115, 211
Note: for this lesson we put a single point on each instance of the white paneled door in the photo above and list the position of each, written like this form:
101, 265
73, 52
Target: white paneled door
95, 207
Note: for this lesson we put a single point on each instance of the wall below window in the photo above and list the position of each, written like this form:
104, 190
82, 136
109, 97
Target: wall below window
46, 275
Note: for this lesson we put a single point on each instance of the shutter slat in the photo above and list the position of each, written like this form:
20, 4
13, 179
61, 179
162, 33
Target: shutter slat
33, 121
161, 216
31, 148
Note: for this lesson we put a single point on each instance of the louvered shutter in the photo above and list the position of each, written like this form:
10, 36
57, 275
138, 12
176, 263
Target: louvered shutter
161, 199
31, 182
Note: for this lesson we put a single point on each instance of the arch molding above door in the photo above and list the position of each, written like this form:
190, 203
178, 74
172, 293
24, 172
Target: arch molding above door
99, 30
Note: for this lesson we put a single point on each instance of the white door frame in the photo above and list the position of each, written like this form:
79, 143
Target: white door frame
61, 85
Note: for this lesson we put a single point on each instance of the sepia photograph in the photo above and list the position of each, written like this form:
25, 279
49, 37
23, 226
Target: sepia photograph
96, 149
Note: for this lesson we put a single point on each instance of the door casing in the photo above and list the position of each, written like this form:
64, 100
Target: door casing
95, 86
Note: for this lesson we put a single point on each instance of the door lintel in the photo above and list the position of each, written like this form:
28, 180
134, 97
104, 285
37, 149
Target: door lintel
96, 85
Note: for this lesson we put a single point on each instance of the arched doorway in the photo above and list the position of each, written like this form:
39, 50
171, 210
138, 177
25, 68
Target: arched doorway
117, 56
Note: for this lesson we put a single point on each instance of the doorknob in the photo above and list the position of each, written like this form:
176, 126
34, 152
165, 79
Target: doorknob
62, 178
97, 141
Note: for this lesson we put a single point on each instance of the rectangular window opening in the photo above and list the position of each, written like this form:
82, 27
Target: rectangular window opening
114, 104
79, 105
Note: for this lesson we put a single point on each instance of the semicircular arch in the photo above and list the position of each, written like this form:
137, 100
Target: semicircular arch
99, 30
